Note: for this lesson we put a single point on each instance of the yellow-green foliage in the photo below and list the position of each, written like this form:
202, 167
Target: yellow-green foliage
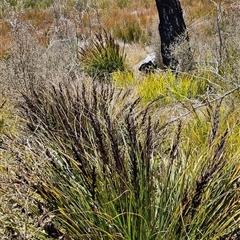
123, 79
167, 85
207, 125
197, 133
188, 87
155, 86
102, 56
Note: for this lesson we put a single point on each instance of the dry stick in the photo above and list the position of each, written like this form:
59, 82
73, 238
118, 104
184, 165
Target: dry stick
219, 18
2, 104
203, 105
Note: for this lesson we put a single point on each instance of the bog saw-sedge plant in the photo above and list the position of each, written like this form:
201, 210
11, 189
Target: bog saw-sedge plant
114, 170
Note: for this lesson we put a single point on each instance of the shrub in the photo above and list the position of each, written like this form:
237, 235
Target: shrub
29, 64
102, 56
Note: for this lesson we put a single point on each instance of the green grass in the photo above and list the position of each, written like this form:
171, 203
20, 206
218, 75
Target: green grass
166, 85
102, 56
136, 157
123, 174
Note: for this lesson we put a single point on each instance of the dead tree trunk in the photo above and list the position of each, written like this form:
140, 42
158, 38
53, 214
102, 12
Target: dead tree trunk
171, 28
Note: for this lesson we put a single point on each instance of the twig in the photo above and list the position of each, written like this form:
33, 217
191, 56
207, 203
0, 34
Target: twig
203, 105
2, 105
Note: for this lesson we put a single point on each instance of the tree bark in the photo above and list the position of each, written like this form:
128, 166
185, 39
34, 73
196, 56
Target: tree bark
171, 27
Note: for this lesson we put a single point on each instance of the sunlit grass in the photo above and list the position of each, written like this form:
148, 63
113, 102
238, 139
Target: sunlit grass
137, 157
123, 79
102, 56
173, 180
166, 85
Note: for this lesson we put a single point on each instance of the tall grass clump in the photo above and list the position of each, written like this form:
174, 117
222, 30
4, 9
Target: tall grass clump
102, 56
115, 170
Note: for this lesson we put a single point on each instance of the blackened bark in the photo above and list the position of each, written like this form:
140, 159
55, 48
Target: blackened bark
171, 27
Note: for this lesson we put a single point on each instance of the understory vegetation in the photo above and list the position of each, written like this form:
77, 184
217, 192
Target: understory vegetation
90, 148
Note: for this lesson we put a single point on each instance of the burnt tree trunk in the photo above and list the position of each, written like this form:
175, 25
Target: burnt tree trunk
171, 28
